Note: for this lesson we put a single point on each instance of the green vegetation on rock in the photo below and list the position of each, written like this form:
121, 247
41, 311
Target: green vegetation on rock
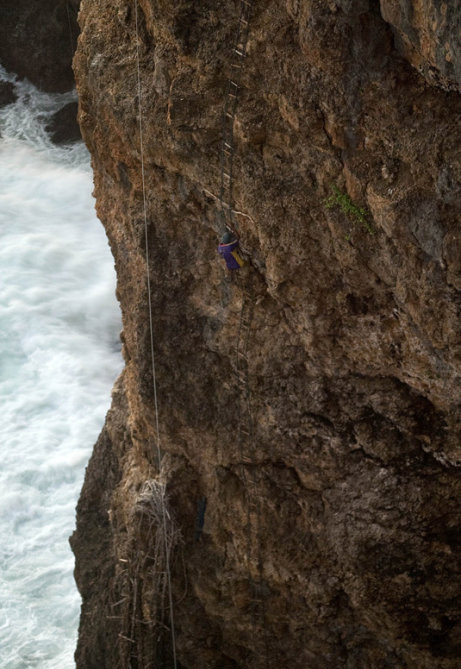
358, 215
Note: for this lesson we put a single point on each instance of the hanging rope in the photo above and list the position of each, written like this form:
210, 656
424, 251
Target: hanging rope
71, 36
151, 329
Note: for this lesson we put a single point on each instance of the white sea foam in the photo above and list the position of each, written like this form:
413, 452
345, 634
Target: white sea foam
59, 356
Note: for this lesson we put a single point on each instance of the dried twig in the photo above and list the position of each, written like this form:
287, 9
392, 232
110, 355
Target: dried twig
144, 588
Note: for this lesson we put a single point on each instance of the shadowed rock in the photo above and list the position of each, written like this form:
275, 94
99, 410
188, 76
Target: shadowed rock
428, 36
7, 93
38, 39
63, 127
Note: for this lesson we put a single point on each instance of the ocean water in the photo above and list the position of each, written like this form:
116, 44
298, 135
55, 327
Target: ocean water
59, 357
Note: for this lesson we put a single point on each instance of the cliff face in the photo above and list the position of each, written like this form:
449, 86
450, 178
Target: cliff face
330, 533
427, 34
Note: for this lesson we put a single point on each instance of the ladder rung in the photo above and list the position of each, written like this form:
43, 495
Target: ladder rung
226, 175
230, 115
239, 53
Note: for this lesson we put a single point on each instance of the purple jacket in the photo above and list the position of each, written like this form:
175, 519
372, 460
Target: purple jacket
231, 255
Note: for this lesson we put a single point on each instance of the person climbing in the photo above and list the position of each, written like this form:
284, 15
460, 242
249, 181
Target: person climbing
229, 250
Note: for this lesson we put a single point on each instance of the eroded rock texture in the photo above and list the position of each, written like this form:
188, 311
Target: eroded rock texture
428, 34
349, 554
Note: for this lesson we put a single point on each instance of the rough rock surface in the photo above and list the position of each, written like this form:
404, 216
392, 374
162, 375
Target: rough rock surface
63, 126
7, 93
331, 536
38, 39
428, 34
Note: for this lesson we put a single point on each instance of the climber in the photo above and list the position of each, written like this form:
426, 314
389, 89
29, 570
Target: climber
229, 250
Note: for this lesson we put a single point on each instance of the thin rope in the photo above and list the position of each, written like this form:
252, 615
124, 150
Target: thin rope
69, 23
151, 328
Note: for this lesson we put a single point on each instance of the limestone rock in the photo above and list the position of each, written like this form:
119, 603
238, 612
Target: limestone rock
428, 34
331, 532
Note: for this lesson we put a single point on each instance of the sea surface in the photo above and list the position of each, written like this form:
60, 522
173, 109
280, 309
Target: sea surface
59, 357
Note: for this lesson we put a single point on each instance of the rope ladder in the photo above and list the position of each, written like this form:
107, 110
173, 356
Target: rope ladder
246, 428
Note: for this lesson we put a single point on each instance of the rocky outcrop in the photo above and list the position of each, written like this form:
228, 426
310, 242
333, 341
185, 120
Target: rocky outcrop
94, 539
331, 530
428, 35
38, 39
63, 126
7, 93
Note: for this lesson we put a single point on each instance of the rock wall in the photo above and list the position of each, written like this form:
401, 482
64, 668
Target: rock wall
428, 34
38, 39
330, 535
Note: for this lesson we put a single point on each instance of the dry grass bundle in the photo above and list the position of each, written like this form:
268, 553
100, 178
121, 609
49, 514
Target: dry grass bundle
145, 582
